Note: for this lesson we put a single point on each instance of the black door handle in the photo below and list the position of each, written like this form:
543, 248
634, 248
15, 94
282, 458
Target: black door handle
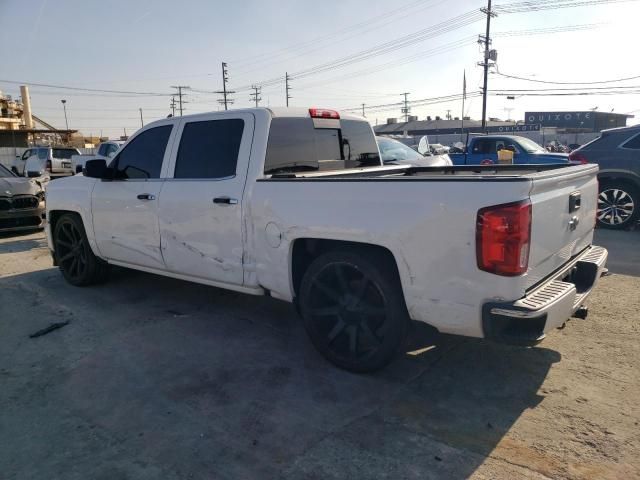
225, 200
146, 196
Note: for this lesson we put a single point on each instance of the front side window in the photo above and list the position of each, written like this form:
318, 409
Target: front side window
111, 150
142, 158
393, 150
102, 150
26, 154
209, 149
43, 153
633, 143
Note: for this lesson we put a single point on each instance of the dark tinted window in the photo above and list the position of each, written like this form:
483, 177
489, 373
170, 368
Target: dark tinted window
102, 150
633, 143
484, 146
142, 158
296, 145
64, 153
43, 153
209, 149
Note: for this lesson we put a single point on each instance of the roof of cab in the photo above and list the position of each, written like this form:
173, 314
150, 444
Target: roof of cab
296, 112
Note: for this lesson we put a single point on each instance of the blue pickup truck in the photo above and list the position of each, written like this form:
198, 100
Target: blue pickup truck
483, 150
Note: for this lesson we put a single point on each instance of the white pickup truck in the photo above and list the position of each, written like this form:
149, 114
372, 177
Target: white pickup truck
296, 204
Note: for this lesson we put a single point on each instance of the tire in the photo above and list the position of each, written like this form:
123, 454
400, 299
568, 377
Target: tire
618, 205
78, 264
353, 309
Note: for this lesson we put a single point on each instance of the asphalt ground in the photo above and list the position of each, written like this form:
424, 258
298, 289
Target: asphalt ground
157, 378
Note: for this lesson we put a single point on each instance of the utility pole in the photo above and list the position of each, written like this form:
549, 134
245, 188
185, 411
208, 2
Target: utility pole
141, 120
287, 87
448, 114
255, 96
226, 101
405, 110
363, 110
488, 55
464, 97
172, 105
180, 95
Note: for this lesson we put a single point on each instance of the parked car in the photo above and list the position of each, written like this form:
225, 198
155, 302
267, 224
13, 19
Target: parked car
438, 148
483, 150
39, 161
21, 202
617, 152
106, 150
394, 152
296, 204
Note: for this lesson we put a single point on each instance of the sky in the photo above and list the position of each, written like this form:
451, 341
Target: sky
147, 46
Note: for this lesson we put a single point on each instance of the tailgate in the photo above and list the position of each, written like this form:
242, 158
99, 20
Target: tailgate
563, 217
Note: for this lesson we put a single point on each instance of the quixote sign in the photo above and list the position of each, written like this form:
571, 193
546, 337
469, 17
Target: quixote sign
514, 128
561, 119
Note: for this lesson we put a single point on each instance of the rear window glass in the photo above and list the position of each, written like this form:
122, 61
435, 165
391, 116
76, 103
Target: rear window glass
63, 153
634, 143
295, 145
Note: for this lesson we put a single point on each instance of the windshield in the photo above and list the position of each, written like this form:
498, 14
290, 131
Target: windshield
393, 150
5, 172
529, 145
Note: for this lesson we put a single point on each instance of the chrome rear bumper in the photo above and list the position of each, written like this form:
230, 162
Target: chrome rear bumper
549, 305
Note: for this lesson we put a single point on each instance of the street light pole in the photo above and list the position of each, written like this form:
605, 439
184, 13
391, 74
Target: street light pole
64, 106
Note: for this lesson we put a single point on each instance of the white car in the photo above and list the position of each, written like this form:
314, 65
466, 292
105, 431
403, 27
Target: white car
106, 150
394, 152
41, 161
296, 204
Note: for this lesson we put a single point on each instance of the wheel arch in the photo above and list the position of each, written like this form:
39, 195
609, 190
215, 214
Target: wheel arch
54, 215
305, 250
610, 176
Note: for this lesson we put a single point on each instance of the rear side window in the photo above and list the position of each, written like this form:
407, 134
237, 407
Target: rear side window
633, 143
142, 158
296, 145
209, 149
484, 146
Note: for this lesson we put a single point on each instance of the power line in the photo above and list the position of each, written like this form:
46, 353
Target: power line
538, 5
80, 89
566, 83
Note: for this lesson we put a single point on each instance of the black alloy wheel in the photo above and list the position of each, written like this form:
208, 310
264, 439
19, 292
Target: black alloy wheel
353, 311
617, 206
77, 262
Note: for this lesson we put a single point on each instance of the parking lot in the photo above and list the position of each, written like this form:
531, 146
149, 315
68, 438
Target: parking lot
158, 378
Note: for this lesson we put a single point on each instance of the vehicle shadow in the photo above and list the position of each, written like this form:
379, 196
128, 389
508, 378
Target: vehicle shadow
155, 377
15, 242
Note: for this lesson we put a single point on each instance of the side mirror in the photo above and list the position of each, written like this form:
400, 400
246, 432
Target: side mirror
95, 168
423, 145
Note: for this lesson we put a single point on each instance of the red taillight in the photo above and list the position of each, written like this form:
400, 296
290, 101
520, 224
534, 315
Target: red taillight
48, 165
323, 113
503, 235
577, 157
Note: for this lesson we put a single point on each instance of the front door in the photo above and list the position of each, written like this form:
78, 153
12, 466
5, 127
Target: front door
125, 209
201, 226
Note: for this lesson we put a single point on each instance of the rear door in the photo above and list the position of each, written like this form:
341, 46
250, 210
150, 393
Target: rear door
125, 209
563, 217
201, 224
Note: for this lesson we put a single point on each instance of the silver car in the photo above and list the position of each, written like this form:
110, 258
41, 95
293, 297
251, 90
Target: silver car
394, 152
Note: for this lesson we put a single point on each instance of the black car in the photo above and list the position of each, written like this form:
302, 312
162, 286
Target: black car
617, 152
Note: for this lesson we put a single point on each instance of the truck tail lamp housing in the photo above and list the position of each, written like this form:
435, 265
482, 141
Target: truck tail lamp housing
503, 237
324, 113
578, 158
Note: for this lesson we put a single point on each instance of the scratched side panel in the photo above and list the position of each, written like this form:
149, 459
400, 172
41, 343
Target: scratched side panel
429, 227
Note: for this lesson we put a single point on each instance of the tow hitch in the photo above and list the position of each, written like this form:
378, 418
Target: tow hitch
581, 313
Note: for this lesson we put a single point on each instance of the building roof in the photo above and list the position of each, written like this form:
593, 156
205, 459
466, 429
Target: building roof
434, 125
